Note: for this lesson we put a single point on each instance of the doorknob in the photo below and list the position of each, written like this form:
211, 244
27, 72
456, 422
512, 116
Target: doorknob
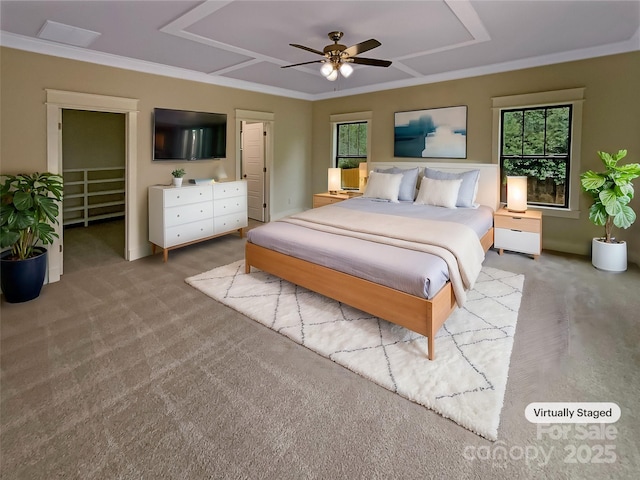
245, 175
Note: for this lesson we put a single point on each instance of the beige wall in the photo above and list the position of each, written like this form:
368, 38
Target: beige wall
93, 139
302, 134
611, 121
25, 76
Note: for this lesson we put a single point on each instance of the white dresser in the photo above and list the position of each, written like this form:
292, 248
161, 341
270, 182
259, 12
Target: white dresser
180, 216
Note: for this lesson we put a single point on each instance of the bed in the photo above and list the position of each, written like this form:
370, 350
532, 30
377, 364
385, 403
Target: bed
388, 257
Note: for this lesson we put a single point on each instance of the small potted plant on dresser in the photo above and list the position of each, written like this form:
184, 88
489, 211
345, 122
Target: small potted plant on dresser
178, 173
29, 210
612, 190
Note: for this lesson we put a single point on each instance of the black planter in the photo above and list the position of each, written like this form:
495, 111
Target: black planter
22, 280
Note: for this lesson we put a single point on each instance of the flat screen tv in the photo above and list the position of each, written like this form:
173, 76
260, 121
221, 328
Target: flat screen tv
185, 135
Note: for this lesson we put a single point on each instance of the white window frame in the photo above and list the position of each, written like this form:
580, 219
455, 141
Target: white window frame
573, 97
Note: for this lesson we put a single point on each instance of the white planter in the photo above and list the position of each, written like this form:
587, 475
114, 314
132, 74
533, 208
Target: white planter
611, 257
177, 182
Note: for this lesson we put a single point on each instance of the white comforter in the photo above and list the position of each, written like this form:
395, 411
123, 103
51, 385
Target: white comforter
457, 244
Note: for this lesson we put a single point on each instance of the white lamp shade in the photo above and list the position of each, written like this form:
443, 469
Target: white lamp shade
346, 70
333, 75
326, 69
517, 194
335, 179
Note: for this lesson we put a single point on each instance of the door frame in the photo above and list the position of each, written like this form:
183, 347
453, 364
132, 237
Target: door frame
243, 160
268, 120
56, 101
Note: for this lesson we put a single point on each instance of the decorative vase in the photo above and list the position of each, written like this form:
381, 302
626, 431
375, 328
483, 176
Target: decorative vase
610, 257
177, 181
22, 280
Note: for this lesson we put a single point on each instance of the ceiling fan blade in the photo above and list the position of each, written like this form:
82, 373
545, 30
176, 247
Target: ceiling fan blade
312, 50
303, 63
370, 61
362, 47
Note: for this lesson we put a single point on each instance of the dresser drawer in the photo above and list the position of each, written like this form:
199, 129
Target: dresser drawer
187, 213
229, 189
517, 223
188, 232
518, 241
228, 223
226, 206
187, 195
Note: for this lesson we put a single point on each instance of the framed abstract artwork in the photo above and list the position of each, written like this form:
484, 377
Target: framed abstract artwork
432, 133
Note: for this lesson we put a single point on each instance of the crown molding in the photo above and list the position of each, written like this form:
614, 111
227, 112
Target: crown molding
29, 44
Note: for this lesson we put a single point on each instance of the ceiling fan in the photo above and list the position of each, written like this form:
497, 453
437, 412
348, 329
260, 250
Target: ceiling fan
337, 57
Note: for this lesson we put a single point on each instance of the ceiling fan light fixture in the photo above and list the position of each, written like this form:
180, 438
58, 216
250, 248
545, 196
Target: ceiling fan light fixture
338, 58
346, 70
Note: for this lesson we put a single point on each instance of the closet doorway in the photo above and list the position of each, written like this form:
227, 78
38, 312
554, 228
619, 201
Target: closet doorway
57, 101
93, 168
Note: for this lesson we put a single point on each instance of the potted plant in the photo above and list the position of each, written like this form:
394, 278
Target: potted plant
178, 173
612, 190
28, 214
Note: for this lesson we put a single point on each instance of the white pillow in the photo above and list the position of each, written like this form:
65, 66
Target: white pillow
468, 189
441, 193
385, 186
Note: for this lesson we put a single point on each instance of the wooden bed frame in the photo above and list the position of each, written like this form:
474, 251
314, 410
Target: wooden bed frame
415, 313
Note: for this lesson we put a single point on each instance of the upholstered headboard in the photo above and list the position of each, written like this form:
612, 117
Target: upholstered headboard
488, 182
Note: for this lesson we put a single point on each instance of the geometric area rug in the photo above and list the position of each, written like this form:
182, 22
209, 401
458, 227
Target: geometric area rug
465, 383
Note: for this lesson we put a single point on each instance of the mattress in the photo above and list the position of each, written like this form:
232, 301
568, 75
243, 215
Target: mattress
417, 273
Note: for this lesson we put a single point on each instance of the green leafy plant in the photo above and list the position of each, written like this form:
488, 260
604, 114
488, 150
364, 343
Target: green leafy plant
612, 190
178, 173
29, 211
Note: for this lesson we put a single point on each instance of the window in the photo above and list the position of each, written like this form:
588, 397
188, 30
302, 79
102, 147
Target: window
535, 143
351, 151
538, 135
351, 145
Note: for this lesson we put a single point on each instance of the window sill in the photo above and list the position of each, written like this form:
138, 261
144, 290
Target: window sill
554, 212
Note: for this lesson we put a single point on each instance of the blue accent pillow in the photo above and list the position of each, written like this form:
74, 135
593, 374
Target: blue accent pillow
408, 184
468, 188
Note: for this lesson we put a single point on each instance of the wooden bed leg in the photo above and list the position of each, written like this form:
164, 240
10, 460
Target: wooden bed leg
430, 346
247, 267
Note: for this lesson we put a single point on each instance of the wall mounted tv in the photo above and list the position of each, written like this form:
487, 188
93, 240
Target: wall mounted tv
184, 135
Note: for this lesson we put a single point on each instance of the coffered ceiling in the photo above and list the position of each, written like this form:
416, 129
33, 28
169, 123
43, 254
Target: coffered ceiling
244, 44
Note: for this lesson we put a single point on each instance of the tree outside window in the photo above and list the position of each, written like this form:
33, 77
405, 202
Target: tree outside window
536, 143
351, 151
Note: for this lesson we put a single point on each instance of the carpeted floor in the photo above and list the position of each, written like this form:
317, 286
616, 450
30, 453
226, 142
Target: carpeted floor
121, 370
476, 341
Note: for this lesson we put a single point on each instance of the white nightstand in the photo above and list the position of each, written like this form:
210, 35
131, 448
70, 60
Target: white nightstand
518, 232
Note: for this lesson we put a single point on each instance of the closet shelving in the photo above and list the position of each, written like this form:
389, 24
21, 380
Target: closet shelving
93, 194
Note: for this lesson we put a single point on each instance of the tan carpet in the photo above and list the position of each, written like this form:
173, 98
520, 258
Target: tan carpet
124, 371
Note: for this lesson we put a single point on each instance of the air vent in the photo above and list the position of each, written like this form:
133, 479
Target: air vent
59, 32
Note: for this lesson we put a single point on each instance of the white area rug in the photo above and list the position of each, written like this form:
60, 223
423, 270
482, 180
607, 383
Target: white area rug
466, 382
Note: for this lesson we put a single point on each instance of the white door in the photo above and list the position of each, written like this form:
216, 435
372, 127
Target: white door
253, 168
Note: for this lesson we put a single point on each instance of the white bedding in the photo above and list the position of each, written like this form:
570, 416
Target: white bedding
457, 244
411, 271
